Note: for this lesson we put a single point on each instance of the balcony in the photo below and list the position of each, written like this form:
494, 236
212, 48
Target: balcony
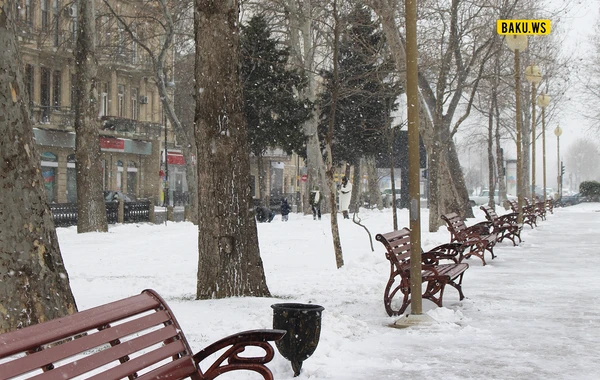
131, 128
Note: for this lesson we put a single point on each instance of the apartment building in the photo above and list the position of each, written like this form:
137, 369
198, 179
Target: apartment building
133, 124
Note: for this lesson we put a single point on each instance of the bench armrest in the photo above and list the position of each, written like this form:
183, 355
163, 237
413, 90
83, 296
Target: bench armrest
230, 359
448, 251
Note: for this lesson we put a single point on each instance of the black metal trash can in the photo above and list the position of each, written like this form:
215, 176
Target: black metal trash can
303, 325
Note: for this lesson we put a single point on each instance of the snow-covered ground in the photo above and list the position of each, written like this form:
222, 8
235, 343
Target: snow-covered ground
532, 313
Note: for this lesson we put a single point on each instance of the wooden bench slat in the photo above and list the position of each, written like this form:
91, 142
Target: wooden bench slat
76, 346
61, 328
180, 368
88, 363
144, 361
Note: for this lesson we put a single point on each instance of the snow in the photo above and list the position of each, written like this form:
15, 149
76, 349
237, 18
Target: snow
531, 313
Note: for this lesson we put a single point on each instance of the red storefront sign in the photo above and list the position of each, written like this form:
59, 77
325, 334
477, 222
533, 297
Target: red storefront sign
112, 144
175, 158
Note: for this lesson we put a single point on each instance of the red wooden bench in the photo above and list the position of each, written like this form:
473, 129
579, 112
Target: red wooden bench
135, 338
506, 226
478, 238
437, 275
529, 216
538, 207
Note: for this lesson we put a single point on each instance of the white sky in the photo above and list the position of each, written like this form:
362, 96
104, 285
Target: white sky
532, 313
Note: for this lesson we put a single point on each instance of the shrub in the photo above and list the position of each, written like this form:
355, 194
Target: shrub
590, 189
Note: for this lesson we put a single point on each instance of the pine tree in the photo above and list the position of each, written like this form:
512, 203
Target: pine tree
273, 109
366, 92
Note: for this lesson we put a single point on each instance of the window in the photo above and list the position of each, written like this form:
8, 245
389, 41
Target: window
28, 13
121, 100
56, 81
49, 164
131, 179
103, 99
73, 23
29, 82
73, 92
45, 15
56, 22
134, 103
45, 94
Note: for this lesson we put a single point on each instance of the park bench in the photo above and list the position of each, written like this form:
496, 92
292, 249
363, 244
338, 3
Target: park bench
135, 338
507, 225
478, 238
538, 207
437, 275
529, 216
548, 204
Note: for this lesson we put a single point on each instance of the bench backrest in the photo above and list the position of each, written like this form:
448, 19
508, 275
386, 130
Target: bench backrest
490, 213
397, 245
136, 337
455, 225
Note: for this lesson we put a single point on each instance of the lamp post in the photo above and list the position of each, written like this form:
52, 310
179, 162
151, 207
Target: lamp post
518, 43
543, 100
558, 132
534, 76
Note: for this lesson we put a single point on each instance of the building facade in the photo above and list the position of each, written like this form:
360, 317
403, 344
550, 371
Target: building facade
132, 134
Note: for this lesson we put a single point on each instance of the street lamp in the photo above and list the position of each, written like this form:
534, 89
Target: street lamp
543, 100
558, 132
534, 76
518, 43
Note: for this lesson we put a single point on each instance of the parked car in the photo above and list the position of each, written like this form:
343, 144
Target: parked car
484, 196
570, 200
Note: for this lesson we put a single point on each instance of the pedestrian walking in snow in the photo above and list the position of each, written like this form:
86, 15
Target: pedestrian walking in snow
345, 195
315, 202
285, 210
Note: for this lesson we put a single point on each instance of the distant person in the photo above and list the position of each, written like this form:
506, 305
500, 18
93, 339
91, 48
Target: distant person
315, 202
285, 210
264, 214
345, 195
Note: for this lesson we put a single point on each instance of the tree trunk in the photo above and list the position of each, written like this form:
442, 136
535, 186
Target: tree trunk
229, 257
490, 152
91, 210
335, 232
35, 284
262, 179
374, 192
303, 55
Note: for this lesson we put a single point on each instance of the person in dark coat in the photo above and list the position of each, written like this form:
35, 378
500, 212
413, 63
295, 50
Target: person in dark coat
285, 210
264, 214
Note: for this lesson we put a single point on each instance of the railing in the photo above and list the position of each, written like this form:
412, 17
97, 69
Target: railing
125, 125
65, 214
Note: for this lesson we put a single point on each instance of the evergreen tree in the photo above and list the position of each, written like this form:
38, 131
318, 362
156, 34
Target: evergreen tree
367, 92
273, 110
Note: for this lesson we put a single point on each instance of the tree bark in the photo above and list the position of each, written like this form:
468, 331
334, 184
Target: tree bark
229, 258
374, 192
35, 284
91, 210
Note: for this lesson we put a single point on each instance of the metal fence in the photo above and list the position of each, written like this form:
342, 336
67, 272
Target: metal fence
65, 214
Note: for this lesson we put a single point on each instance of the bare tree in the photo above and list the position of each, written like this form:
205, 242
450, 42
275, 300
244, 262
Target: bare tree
91, 210
35, 285
229, 258
157, 43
